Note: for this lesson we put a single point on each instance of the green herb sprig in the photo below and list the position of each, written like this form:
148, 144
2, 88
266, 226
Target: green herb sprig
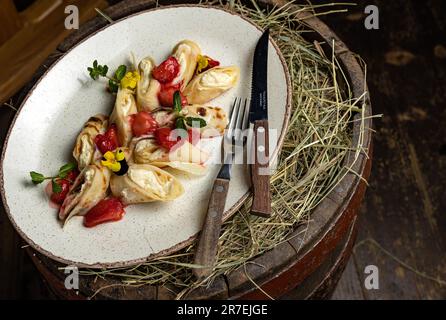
38, 178
181, 121
98, 70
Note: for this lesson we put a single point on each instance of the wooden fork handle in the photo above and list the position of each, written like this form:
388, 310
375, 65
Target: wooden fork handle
260, 176
206, 251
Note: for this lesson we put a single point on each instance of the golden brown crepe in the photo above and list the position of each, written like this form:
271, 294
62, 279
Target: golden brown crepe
145, 183
85, 151
88, 189
186, 52
164, 117
124, 107
187, 157
148, 87
211, 83
215, 117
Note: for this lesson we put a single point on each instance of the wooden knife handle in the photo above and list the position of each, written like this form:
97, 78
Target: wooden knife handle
260, 177
206, 251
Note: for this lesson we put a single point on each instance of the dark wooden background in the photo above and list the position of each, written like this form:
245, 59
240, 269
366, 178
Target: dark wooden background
402, 221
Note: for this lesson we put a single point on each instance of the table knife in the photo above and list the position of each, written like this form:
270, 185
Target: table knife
258, 116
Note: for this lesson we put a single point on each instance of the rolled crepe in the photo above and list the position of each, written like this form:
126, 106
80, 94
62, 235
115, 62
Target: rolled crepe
148, 87
145, 183
187, 157
211, 83
85, 151
124, 107
186, 52
164, 117
215, 117
88, 189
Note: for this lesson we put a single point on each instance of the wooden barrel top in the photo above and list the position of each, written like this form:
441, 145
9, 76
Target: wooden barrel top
291, 263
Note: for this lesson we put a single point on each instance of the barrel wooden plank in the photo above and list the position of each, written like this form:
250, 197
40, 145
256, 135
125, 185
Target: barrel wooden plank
262, 269
345, 185
321, 283
326, 286
217, 291
167, 292
89, 286
319, 217
116, 290
54, 278
310, 259
349, 286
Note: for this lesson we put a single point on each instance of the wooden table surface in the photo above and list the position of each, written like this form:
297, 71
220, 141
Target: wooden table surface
20, 52
405, 203
402, 223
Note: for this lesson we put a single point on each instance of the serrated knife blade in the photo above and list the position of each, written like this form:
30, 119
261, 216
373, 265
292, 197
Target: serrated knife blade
259, 92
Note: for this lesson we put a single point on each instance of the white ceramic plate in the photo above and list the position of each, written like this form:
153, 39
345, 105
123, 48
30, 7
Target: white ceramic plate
42, 136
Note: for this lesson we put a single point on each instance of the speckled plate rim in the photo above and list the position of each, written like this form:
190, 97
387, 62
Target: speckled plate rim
188, 241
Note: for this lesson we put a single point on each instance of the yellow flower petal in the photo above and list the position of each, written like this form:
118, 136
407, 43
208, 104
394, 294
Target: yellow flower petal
106, 163
130, 80
202, 63
109, 156
115, 167
112, 165
119, 155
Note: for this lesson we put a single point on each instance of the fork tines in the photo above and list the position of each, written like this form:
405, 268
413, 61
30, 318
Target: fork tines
238, 121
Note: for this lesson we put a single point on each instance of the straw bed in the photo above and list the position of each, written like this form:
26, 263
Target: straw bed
309, 167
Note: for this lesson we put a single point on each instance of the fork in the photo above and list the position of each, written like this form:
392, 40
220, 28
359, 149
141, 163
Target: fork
206, 252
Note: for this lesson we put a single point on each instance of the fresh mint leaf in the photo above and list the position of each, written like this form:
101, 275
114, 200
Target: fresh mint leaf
56, 187
113, 86
120, 72
179, 123
36, 177
177, 102
93, 73
97, 70
195, 122
104, 70
65, 169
